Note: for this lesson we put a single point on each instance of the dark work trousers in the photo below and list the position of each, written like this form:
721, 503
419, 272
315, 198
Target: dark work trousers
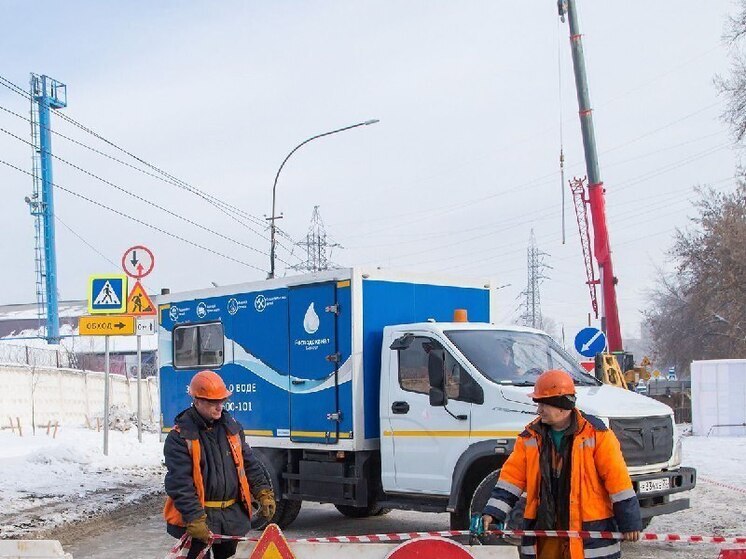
219, 550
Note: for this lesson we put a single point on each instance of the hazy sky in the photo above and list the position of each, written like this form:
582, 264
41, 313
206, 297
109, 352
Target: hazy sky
462, 166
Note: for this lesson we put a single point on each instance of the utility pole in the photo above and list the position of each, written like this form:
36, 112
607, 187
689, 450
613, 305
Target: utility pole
316, 245
46, 94
531, 305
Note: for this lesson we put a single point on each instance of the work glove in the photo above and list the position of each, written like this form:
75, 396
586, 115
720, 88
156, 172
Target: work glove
198, 529
486, 522
267, 502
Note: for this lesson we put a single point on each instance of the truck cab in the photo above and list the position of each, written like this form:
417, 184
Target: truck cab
454, 396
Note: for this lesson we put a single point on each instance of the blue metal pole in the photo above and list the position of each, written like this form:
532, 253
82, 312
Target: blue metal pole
47, 198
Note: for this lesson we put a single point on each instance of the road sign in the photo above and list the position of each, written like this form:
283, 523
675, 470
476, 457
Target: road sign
122, 325
430, 547
145, 325
272, 545
671, 373
657, 374
590, 341
138, 302
107, 294
138, 262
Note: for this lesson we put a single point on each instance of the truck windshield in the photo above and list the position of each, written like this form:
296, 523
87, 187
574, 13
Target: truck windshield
516, 357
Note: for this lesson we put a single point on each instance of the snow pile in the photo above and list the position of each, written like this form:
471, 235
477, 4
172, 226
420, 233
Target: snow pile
122, 419
47, 482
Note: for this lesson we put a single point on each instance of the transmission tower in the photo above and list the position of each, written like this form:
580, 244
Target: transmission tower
318, 248
531, 305
46, 94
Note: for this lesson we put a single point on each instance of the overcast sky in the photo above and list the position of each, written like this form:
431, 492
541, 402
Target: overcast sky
461, 167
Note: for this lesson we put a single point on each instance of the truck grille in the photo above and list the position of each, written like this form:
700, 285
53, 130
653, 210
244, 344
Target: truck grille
644, 440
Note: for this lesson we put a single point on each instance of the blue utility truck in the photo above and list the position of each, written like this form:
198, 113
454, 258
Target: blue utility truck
356, 387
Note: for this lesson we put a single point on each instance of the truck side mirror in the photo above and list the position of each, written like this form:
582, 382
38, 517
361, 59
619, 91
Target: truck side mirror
402, 343
436, 375
437, 397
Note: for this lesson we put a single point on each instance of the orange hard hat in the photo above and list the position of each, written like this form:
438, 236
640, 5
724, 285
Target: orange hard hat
553, 382
209, 386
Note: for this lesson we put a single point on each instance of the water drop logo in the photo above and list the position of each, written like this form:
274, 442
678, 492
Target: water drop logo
311, 320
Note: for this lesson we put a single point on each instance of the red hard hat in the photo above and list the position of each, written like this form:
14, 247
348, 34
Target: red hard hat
553, 383
209, 386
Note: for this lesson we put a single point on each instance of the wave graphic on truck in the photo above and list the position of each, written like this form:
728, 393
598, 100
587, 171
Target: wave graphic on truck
259, 368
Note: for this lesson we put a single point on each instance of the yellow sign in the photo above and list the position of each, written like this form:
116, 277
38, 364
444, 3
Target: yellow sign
113, 325
656, 373
138, 302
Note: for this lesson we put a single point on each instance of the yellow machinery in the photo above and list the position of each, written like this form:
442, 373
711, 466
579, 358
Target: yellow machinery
609, 370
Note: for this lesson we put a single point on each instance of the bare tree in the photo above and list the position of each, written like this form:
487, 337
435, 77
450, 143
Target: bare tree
733, 86
700, 311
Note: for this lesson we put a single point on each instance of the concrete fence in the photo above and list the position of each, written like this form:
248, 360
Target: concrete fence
69, 397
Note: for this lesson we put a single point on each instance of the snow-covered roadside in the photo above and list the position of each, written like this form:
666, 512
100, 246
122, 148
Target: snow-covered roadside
48, 482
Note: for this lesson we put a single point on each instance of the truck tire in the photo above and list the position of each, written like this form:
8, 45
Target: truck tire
514, 521
373, 509
286, 512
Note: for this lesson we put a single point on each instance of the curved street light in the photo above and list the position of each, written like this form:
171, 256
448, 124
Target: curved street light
274, 218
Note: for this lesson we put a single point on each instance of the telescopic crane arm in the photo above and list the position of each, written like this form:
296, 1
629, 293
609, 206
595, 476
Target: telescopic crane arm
595, 199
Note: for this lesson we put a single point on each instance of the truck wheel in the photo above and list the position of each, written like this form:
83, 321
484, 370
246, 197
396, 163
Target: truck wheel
514, 521
286, 511
373, 509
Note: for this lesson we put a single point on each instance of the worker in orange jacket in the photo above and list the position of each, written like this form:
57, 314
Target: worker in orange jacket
212, 472
571, 467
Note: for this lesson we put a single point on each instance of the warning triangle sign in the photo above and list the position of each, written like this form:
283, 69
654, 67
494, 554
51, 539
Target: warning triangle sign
107, 296
138, 302
272, 545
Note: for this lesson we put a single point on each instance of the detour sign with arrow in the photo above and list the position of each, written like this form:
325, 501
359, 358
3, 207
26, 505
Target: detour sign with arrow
106, 325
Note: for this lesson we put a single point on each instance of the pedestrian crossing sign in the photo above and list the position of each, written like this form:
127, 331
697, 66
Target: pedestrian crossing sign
107, 294
138, 302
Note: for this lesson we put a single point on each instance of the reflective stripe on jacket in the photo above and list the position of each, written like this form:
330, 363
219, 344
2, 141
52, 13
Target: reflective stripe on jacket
601, 493
172, 514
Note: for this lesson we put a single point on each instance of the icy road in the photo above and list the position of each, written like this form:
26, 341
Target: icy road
110, 506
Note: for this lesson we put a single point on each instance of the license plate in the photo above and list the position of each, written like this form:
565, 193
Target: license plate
650, 485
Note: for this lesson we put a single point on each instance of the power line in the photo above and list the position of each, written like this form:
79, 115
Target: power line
145, 200
122, 214
219, 204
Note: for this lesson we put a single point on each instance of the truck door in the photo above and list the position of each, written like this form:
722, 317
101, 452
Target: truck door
314, 363
427, 440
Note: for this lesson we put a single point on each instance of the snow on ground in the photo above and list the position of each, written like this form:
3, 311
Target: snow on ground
48, 482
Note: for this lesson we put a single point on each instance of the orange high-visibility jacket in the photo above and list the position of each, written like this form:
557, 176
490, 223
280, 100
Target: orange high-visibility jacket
171, 513
601, 493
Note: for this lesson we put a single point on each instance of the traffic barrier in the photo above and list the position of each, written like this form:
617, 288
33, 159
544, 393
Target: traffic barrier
37, 549
273, 545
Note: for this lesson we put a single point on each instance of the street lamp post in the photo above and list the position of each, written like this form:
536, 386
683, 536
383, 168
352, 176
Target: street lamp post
273, 218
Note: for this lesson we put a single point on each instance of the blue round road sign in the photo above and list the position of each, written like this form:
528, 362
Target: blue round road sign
590, 341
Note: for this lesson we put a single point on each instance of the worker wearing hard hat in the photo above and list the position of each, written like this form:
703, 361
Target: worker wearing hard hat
212, 472
571, 467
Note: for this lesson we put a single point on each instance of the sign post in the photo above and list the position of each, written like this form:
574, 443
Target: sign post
137, 262
106, 396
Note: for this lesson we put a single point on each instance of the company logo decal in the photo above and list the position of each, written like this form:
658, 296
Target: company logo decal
311, 321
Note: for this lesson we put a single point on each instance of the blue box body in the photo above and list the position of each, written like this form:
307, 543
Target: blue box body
296, 353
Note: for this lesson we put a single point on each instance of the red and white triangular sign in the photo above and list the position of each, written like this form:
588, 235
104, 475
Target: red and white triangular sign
272, 545
138, 302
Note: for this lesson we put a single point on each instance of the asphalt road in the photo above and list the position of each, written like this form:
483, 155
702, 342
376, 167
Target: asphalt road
140, 533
